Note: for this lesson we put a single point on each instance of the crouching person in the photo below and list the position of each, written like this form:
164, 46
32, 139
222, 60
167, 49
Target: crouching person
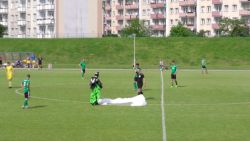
95, 86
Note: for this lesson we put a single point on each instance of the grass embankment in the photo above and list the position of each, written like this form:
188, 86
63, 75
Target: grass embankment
118, 52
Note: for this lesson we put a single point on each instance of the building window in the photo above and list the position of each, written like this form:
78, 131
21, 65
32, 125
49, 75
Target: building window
176, 10
202, 9
234, 8
208, 9
202, 21
171, 10
208, 21
226, 8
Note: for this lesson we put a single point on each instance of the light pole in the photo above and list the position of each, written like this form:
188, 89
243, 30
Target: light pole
133, 36
134, 47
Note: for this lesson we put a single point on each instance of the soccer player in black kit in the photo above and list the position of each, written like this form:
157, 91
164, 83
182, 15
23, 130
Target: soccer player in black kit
139, 79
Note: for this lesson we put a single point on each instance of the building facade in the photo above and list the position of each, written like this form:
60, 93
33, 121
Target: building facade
51, 18
162, 15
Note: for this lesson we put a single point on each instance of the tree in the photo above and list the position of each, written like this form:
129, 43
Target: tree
2, 30
202, 33
233, 27
136, 27
181, 31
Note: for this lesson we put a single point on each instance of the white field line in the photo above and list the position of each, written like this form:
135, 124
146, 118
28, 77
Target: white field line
50, 99
103, 69
174, 104
164, 132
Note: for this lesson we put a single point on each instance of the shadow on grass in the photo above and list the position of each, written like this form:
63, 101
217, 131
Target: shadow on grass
147, 89
38, 106
181, 86
15, 87
150, 98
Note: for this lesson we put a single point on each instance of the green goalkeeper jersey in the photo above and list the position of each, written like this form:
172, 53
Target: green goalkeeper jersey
173, 69
83, 65
26, 85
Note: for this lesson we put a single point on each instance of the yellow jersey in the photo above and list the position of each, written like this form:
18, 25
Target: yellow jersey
9, 72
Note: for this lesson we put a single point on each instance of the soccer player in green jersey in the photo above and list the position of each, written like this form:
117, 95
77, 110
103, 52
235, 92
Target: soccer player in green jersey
26, 90
95, 86
83, 67
173, 68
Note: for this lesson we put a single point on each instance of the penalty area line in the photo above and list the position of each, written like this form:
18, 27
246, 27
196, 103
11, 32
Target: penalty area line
164, 131
50, 99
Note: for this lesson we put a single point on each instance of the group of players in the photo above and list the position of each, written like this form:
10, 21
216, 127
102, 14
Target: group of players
96, 84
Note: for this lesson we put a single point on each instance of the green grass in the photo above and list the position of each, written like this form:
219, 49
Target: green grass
220, 53
198, 110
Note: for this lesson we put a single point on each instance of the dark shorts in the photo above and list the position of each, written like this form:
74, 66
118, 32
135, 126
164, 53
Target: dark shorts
140, 85
83, 70
203, 66
26, 95
173, 76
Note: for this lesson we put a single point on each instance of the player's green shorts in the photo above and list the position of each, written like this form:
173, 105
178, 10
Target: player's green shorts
95, 95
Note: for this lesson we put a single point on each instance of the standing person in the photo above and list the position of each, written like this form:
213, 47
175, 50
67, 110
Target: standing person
136, 68
9, 73
26, 90
203, 66
1, 62
173, 68
162, 67
40, 62
139, 81
83, 67
95, 86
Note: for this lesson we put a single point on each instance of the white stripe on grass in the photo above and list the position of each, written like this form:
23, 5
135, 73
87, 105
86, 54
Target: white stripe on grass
50, 99
116, 69
164, 131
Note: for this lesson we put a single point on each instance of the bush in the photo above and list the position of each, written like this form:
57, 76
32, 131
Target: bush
181, 31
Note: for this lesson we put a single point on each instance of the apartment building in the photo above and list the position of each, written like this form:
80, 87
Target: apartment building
51, 18
162, 15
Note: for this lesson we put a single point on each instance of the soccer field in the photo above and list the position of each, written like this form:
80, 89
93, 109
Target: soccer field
215, 107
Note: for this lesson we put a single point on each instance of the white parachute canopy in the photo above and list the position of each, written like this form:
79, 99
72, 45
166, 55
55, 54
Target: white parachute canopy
138, 100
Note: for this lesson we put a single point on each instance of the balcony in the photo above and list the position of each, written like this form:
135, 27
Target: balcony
108, 27
131, 17
108, 7
216, 14
215, 26
119, 28
132, 6
108, 17
157, 5
187, 3
21, 35
158, 27
245, 12
21, 22
158, 16
216, 1
46, 7
244, 1
45, 35
3, 10
189, 14
21, 9
119, 17
45, 21
119, 7
4, 23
